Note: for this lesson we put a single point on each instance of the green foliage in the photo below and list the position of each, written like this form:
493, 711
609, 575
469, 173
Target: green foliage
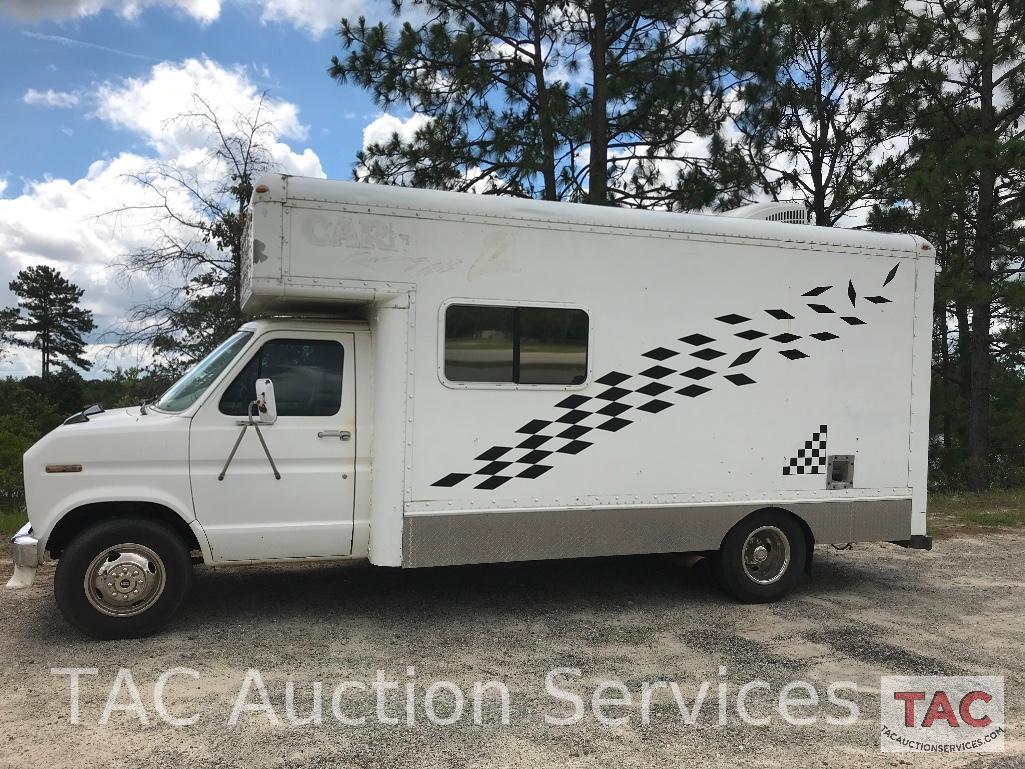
32, 407
25, 417
519, 93
820, 106
8, 319
962, 73
54, 319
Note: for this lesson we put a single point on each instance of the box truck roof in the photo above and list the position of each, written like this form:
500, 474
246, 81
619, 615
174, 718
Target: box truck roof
423, 203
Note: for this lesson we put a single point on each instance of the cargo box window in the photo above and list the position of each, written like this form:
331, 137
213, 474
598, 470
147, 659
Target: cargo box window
517, 345
307, 377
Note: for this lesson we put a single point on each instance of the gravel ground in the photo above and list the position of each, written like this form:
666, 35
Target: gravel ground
871, 611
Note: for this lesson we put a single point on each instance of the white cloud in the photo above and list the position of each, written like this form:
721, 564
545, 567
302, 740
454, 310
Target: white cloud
315, 17
62, 222
51, 98
3, 186
381, 129
203, 11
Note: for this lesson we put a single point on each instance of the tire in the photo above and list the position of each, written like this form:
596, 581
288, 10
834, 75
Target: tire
783, 557
139, 571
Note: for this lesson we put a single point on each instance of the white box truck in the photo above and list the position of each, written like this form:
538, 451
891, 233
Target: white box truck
439, 378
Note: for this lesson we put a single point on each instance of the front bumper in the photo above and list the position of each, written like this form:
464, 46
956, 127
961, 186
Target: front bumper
25, 548
25, 551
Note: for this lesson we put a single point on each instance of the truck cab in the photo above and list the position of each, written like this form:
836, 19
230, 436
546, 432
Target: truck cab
167, 463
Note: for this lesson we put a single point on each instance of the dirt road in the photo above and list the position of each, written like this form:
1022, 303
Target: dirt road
872, 611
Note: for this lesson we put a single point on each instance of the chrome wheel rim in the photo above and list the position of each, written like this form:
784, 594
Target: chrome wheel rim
125, 580
766, 555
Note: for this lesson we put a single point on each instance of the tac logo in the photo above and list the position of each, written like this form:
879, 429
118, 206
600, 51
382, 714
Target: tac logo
941, 714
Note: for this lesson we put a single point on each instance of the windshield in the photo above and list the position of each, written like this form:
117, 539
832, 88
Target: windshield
186, 390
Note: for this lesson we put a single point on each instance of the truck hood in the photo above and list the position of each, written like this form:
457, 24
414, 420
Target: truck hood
119, 454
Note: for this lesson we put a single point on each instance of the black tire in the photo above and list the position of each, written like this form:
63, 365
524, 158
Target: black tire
164, 580
784, 565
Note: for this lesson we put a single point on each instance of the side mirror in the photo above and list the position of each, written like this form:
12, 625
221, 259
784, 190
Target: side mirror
266, 406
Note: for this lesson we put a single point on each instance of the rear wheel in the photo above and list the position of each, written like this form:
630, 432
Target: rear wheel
762, 558
123, 578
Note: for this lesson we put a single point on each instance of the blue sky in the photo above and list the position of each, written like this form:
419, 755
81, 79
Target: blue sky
89, 85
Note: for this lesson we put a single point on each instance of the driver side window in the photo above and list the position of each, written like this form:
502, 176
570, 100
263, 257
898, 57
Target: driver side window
307, 376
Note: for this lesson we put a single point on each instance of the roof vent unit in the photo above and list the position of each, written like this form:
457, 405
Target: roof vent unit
788, 212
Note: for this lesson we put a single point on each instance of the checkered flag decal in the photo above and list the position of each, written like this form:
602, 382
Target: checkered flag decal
693, 365
811, 458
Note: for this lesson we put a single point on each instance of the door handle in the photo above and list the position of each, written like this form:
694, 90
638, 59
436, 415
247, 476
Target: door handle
342, 435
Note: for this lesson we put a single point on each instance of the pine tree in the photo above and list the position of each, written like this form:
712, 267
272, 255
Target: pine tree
8, 317
593, 101
819, 121
53, 317
964, 73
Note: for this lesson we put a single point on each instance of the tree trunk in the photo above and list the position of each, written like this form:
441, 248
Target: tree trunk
598, 165
544, 114
982, 275
979, 350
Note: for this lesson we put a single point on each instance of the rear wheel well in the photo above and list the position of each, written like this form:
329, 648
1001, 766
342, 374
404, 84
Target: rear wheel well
809, 538
77, 520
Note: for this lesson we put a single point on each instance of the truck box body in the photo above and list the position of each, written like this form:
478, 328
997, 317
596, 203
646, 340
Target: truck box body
728, 365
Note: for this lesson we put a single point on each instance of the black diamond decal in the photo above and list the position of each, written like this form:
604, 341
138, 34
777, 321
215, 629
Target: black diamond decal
708, 354
851, 293
575, 431
696, 339
614, 424
657, 372
533, 457
820, 308
817, 290
784, 338
613, 394
493, 482
877, 299
890, 274
740, 379
571, 402
572, 417
655, 406
574, 447
613, 409
852, 321
612, 378
493, 468
693, 391
494, 453
451, 479
750, 334
534, 426
792, 354
534, 471
534, 441
698, 373
653, 388
780, 314
660, 353
744, 357
733, 319
825, 336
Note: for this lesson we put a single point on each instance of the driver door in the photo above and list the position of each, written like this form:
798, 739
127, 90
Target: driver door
308, 512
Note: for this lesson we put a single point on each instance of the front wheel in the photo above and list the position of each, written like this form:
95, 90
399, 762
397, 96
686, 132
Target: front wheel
122, 578
762, 557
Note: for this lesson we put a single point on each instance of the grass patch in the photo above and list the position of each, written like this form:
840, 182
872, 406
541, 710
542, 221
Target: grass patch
996, 508
12, 519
